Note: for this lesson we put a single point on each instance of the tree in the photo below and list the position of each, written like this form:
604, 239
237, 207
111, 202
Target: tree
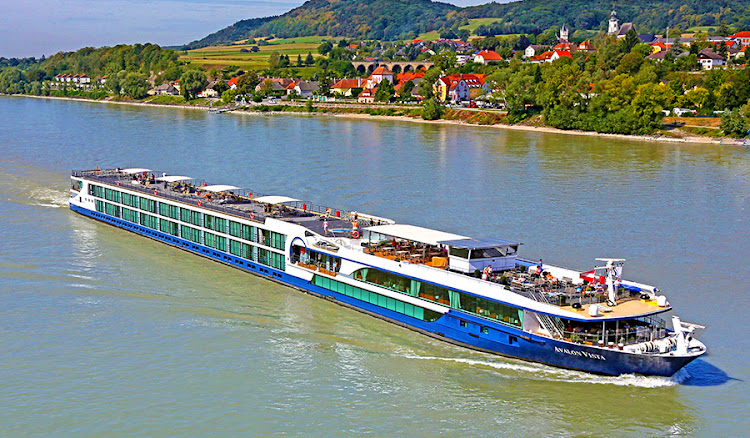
385, 91
406, 89
324, 48
135, 85
228, 96
299, 61
735, 123
266, 87
445, 60
115, 81
630, 41
309, 60
246, 83
630, 63
432, 110
192, 82
273, 60
428, 80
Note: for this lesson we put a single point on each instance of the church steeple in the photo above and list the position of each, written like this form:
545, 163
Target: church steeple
614, 23
564, 32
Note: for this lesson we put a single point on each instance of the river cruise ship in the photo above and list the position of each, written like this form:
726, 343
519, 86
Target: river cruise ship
473, 292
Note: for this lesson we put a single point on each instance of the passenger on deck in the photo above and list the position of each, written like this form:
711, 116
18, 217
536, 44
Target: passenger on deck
539, 267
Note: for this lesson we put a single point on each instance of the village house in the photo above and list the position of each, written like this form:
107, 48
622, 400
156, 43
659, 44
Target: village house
742, 37
487, 56
533, 50
378, 75
278, 85
586, 46
366, 96
344, 87
209, 92
306, 89
550, 56
459, 87
232, 83
404, 78
166, 90
709, 59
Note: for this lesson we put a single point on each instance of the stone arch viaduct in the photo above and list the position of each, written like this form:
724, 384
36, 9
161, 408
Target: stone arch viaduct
394, 66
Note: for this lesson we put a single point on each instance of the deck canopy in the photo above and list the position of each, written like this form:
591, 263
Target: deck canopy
133, 170
275, 199
218, 188
474, 243
174, 178
414, 233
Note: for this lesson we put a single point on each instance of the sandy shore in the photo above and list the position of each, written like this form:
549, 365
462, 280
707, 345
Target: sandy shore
322, 112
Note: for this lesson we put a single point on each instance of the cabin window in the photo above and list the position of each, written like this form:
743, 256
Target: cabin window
149, 221
190, 234
486, 253
214, 241
215, 223
462, 253
96, 191
168, 227
169, 210
129, 200
112, 210
99, 205
148, 205
111, 195
129, 215
191, 217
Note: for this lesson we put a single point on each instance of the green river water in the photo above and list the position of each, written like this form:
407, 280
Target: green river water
105, 333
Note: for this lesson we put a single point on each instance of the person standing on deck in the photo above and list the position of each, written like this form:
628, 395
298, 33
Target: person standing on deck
539, 267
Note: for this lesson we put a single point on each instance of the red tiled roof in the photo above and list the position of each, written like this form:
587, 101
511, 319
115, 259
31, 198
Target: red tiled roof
743, 34
382, 71
348, 84
232, 81
490, 55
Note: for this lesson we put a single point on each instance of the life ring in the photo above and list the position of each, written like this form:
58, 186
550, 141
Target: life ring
118, 183
199, 203
355, 234
156, 192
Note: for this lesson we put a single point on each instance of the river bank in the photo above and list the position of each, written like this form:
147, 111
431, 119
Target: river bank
321, 111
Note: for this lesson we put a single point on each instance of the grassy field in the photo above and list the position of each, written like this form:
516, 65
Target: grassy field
476, 22
471, 27
223, 56
699, 29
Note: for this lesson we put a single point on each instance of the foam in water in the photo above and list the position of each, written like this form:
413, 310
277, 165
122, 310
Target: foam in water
544, 372
51, 198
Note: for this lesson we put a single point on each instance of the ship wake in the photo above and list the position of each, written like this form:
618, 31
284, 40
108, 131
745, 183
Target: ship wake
513, 369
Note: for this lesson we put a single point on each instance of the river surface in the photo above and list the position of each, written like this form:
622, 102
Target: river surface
104, 333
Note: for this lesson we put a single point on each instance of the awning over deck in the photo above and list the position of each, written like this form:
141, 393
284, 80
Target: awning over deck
133, 170
174, 178
275, 199
414, 233
218, 188
472, 243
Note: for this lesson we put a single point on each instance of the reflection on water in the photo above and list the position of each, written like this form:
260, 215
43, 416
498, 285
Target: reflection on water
98, 318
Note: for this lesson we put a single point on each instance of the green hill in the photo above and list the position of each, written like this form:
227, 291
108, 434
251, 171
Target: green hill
534, 16
398, 19
363, 19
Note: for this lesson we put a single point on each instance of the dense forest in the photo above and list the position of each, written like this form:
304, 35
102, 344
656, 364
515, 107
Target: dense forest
649, 16
363, 19
127, 67
398, 19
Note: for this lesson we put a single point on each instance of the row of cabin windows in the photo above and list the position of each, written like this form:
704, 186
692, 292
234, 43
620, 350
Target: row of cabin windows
376, 299
169, 210
430, 292
236, 229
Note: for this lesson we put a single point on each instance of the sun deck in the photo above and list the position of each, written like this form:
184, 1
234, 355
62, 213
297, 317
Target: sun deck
226, 199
